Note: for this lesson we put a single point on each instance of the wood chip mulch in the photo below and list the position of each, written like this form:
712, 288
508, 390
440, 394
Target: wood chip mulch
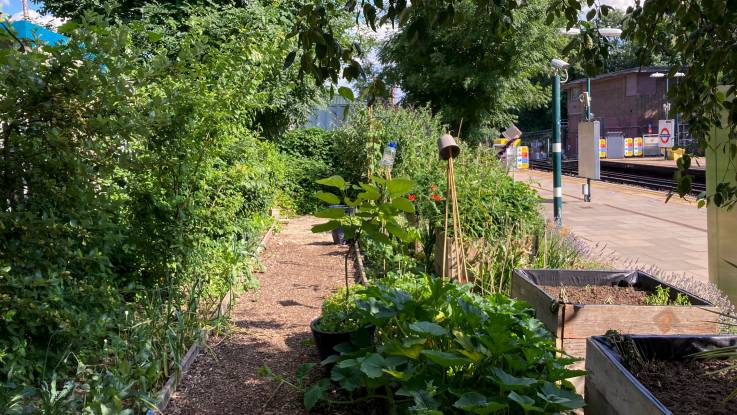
269, 326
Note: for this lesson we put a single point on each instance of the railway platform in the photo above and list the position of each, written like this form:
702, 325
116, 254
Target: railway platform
631, 224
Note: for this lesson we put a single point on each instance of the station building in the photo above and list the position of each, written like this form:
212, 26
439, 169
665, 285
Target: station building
628, 102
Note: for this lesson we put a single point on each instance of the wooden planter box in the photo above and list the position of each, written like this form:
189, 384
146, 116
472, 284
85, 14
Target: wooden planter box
572, 324
611, 389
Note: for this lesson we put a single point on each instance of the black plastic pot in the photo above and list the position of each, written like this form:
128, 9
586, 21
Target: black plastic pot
339, 234
327, 341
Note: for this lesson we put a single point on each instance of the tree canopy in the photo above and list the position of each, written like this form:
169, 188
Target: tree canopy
478, 72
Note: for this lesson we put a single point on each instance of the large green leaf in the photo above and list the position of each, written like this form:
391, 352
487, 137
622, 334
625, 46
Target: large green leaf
427, 327
399, 233
394, 347
373, 366
346, 93
511, 382
326, 227
527, 403
373, 231
328, 197
333, 181
370, 192
445, 359
399, 186
349, 379
477, 403
331, 213
425, 403
315, 393
403, 204
562, 398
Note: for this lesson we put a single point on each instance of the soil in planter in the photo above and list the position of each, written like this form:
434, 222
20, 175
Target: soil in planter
690, 387
597, 294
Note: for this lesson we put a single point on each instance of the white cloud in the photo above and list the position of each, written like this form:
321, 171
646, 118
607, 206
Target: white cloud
619, 4
40, 19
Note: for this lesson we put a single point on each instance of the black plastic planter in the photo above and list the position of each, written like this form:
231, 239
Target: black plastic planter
612, 389
339, 234
326, 341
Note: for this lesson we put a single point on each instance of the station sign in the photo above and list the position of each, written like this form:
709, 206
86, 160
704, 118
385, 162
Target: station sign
602, 148
639, 147
523, 157
666, 129
629, 147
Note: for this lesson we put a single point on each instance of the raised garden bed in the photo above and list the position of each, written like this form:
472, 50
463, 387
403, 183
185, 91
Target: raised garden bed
599, 301
669, 381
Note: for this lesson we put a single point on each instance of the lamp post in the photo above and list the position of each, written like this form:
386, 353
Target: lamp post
608, 32
559, 66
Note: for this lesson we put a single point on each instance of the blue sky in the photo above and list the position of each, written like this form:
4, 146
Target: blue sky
15, 6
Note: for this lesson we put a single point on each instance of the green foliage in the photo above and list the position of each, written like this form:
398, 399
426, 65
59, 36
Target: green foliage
378, 205
308, 153
442, 349
133, 190
482, 77
340, 311
662, 296
359, 143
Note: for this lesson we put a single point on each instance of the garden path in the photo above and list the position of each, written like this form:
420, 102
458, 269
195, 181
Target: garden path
269, 326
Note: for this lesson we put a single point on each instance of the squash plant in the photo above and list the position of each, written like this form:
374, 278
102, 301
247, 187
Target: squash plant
441, 349
378, 205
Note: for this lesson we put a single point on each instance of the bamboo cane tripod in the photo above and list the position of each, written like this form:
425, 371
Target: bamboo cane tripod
449, 150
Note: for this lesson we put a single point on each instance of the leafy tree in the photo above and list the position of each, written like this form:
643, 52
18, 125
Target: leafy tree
162, 26
133, 184
128, 9
479, 71
624, 53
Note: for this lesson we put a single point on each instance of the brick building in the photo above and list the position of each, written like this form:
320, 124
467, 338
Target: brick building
627, 101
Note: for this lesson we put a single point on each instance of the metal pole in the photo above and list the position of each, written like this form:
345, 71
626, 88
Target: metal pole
557, 189
587, 196
588, 107
667, 107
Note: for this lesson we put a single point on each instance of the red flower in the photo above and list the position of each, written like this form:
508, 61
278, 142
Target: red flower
412, 198
436, 197
434, 188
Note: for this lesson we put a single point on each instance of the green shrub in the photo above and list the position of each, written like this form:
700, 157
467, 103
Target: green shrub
133, 191
360, 142
340, 312
308, 154
442, 349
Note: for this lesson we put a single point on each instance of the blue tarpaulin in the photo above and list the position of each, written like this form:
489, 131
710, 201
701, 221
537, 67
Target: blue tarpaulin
31, 31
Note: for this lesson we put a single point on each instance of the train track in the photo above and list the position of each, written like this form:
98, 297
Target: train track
661, 180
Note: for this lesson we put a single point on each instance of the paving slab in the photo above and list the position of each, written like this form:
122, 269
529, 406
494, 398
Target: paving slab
631, 223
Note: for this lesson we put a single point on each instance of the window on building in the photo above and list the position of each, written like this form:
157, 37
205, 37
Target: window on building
631, 85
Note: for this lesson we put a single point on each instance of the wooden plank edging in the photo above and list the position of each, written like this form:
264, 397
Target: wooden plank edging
164, 395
